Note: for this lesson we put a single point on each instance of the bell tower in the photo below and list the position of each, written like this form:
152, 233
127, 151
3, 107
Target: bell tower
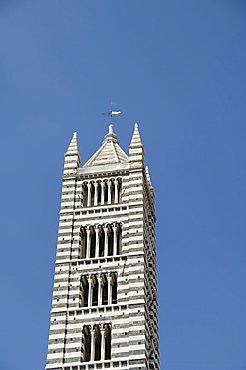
104, 311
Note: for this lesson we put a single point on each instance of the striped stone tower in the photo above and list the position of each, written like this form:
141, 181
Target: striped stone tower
104, 309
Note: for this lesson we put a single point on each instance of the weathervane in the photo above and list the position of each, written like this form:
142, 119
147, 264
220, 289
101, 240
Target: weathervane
111, 112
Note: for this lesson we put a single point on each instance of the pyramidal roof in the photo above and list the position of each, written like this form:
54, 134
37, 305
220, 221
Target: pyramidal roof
109, 152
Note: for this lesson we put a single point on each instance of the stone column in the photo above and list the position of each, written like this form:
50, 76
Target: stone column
109, 192
115, 239
96, 194
102, 193
103, 344
88, 247
106, 241
92, 344
116, 191
89, 195
90, 292
97, 241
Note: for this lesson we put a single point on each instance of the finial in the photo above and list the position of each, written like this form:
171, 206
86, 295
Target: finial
110, 135
75, 134
136, 125
110, 128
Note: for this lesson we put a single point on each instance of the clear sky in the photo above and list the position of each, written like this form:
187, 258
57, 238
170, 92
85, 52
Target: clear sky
179, 69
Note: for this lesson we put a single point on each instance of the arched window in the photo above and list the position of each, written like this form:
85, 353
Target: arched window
98, 343
119, 240
95, 291
112, 187
94, 341
84, 194
84, 291
114, 288
105, 192
120, 190
86, 344
93, 243
105, 290
101, 242
83, 242
110, 241
92, 194
107, 342
99, 192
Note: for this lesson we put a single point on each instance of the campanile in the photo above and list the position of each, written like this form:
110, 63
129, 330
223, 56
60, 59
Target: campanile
104, 311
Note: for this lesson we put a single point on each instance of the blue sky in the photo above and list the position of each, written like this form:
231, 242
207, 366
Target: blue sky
178, 68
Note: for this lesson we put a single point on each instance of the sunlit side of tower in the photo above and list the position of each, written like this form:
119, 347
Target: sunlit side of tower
104, 310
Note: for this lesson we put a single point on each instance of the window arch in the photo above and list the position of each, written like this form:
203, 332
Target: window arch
100, 240
100, 192
98, 289
96, 343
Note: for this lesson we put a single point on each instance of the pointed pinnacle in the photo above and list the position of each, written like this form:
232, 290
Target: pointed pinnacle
73, 146
136, 139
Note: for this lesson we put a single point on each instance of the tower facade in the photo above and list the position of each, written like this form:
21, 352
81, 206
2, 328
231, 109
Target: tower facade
104, 308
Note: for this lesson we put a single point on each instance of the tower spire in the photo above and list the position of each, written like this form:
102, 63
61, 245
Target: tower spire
136, 139
105, 263
72, 157
136, 150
